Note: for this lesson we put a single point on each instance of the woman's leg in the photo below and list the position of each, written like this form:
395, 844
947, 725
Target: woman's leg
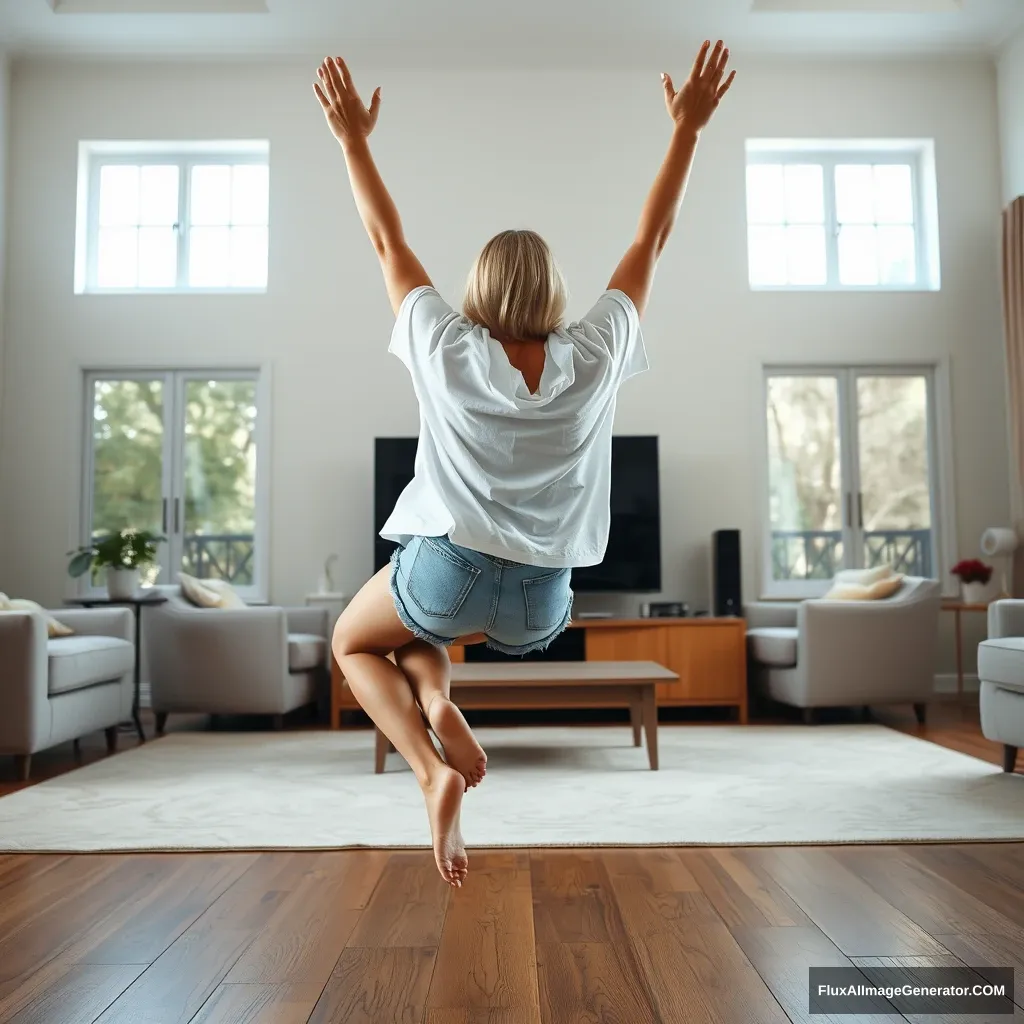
428, 669
367, 632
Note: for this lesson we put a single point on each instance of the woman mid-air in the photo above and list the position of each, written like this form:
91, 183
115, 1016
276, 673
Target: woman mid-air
511, 488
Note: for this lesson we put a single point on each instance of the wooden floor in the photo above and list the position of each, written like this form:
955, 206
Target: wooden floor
617, 936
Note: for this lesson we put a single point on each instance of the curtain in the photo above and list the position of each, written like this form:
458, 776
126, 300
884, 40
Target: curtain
1013, 315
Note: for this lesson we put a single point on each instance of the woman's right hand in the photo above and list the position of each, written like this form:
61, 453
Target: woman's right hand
700, 95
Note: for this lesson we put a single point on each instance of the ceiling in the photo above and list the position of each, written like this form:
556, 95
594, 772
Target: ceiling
523, 33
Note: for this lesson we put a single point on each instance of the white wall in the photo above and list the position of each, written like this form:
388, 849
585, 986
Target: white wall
571, 155
1011, 117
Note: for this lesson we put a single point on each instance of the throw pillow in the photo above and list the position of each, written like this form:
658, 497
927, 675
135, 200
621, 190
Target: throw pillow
863, 577
53, 627
209, 593
877, 591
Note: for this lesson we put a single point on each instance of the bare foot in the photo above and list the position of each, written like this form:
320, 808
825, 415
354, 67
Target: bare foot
443, 794
461, 749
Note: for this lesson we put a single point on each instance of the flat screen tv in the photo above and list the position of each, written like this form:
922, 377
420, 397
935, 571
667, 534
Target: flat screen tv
632, 562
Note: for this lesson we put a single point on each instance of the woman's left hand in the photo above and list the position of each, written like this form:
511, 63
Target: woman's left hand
346, 116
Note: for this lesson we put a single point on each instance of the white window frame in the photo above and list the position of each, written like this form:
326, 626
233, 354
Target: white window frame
919, 155
93, 156
173, 481
940, 468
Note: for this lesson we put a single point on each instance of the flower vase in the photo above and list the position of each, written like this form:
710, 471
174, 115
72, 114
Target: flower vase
122, 584
976, 593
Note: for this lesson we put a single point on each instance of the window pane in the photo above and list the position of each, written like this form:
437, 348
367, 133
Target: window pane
804, 475
858, 256
249, 257
249, 194
894, 194
208, 257
805, 198
158, 204
117, 258
805, 255
158, 257
765, 194
855, 194
128, 439
767, 256
897, 256
211, 194
220, 480
894, 473
119, 195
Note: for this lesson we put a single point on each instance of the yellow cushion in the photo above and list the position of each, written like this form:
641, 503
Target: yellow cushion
53, 627
876, 591
209, 593
863, 577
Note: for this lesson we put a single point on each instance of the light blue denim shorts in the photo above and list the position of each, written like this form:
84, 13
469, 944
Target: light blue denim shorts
443, 591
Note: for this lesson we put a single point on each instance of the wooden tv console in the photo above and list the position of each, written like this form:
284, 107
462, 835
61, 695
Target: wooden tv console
708, 655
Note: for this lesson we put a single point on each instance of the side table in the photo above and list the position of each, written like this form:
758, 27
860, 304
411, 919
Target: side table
136, 603
958, 608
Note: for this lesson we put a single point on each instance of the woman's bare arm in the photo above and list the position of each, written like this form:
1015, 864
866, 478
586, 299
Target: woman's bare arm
351, 123
691, 109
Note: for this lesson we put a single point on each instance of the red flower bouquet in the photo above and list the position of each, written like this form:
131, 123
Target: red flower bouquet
972, 571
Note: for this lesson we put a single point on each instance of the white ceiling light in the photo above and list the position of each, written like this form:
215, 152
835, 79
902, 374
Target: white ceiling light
159, 6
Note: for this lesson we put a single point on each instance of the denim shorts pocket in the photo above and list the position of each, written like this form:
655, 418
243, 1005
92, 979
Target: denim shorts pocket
439, 580
547, 599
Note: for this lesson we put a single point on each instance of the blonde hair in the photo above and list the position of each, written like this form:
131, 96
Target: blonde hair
515, 288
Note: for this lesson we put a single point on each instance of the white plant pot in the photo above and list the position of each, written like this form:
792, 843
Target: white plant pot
122, 584
977, 593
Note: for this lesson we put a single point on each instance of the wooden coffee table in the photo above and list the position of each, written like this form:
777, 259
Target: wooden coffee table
560, 684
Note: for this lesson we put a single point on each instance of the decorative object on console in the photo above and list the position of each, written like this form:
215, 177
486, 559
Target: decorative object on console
123, 554
726, 575
664, 610
974, 577
1000, 542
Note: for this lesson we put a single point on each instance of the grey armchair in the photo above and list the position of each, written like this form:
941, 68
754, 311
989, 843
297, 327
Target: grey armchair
819, 653
52, 691
1001, 671
257, 660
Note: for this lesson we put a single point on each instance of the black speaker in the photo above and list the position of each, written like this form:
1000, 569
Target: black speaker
726, 578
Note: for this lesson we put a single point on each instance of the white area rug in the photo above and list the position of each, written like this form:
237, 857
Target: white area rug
720, 785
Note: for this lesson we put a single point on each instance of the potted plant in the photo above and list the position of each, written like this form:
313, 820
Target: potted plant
122, 554
974, 579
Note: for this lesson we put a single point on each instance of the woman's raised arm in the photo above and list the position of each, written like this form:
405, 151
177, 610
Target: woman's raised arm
690, 109
351, 124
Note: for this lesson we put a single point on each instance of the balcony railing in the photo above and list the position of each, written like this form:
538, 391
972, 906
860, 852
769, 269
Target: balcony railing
818, 554
225, 556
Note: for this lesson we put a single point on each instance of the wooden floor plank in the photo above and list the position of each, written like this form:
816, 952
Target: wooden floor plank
572, 901
902, 965
782, 957
492, 1016
184, 976
371, 985
407, 906
843, 906
981, 951
690, 962
304, 939
742, 898
18, 869
79, 996
487, 955
259, 1004
581, 982
970, 869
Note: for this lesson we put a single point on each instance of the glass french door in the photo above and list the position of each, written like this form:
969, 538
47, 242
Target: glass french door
852, 479
179, 453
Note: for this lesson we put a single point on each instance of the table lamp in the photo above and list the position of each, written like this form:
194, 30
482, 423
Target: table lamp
1000, 542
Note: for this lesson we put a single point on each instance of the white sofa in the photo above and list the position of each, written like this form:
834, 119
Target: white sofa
1001, 671
260, 660
822, 653
52, 691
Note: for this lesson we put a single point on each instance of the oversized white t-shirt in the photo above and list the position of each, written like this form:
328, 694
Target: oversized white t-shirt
498, 469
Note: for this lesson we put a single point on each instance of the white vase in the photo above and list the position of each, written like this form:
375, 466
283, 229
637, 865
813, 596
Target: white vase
122, 584
976, 593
